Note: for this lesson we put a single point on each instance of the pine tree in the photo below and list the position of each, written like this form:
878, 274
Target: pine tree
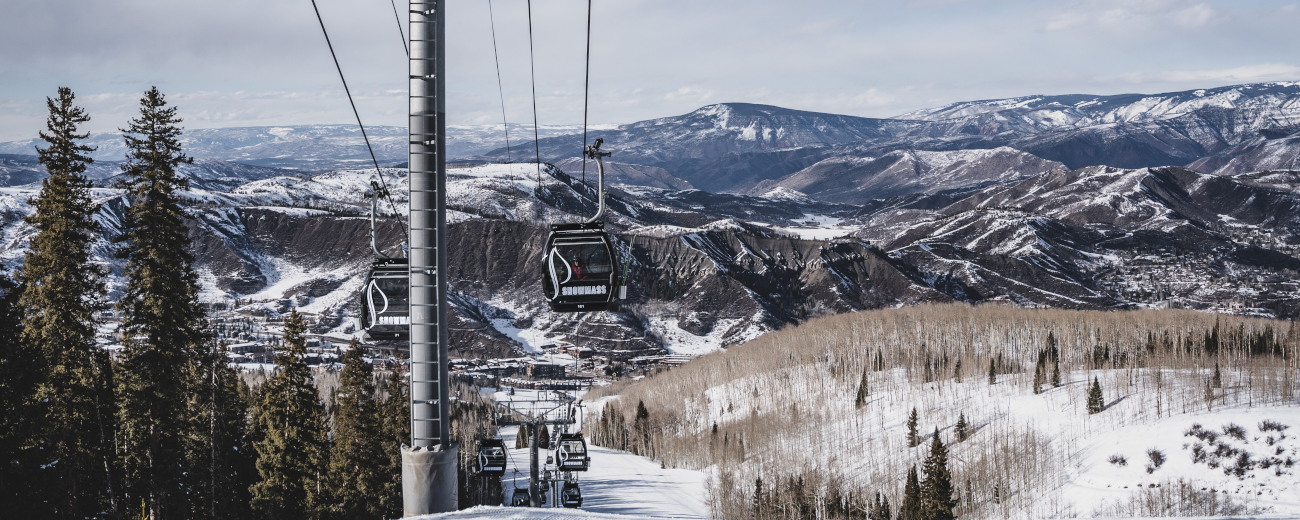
289, 424
863, 392
936, 490
358, 461
162, 327
1096, 403
62, 291
1217, 380
913, 438
956, 371
759, 500
993, 373
219, 456
18, 457
522, 437
910, 509
962, 428
395, 426
880, 509
1038, 374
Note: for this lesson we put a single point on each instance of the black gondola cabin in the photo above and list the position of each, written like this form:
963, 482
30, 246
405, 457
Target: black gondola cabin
571, 495
578, 270
385, 300
571, 452
492, 457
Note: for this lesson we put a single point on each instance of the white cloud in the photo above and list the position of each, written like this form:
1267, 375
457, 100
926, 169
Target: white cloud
1263, 72
1196, 16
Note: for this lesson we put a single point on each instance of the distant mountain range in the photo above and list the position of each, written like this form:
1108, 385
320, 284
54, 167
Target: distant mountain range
742, 218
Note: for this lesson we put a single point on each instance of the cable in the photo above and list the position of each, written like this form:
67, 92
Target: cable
505, 125
379, 173
399, 28
586, 89
532, 68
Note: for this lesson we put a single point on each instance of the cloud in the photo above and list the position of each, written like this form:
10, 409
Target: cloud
1259, 73
1133, 15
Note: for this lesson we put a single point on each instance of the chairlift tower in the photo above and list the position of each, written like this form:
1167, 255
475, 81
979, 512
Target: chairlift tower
429, 463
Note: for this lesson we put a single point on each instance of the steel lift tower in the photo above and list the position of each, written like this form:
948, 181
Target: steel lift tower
429, 463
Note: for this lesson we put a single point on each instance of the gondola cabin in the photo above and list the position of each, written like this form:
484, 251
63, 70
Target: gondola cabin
492, 457
385, 300
579, 273
519, 498
571, 495
571, 452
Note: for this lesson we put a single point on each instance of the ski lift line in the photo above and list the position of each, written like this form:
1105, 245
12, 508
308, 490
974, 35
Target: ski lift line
378, 172
505, 125
400, 32
586, 90
532, 79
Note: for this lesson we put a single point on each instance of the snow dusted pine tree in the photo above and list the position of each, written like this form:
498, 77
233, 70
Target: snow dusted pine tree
62, 289
936, 490
1096, 403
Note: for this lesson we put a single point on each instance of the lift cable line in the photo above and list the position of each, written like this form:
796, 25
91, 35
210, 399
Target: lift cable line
532, 68
505, 123
378, 173
399, 28
586, 93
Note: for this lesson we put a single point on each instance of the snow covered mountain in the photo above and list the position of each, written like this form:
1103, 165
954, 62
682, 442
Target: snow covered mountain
739, 219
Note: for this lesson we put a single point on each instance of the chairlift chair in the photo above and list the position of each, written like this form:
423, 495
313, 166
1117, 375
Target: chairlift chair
492, 457
571, 495
571, 452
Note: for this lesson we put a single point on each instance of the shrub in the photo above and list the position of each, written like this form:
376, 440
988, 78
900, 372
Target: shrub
1157, 459
1234, 430
1267, 425
1118, 460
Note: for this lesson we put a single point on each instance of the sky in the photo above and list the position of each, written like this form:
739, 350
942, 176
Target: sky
236, 63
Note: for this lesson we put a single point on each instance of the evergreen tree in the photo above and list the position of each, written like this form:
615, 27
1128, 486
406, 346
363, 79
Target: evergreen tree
544, 437
220, 458
863, 392
1096, 403
1038, 374
759, 500
993, 373
913, 438
956, 371
1054, 355
963, 428
522, 437
358, 461
162, 327
62, 291
289, 422
910, 509
18, 457
936, 490
880, 509
1217, 380
395, 421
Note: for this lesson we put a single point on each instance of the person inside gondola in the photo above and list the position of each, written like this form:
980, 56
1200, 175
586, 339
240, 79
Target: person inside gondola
578, 271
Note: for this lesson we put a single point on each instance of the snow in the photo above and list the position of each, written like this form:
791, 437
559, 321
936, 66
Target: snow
619, 485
